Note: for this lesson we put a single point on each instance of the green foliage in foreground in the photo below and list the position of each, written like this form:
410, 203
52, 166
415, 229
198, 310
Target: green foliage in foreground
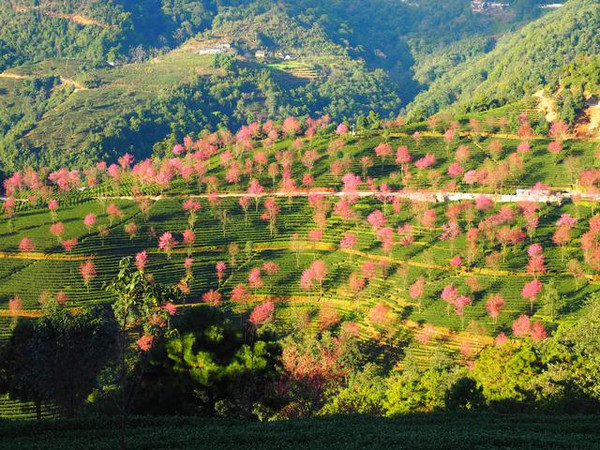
489, 431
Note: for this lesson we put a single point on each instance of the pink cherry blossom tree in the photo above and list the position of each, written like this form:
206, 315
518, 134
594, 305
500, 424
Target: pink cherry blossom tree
494, 307
166, 243
26, 245
87, 270
220, 268
141, 260
89, 221
192, 207
262, 314
417, 291
53, 208
58, 230
530, 292
522, 326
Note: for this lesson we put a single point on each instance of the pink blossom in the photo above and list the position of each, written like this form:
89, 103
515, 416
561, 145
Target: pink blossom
170, 308
494, 305
308, 180
319, 270
255, 278
61, 298
523, 147
501, 339
522, 326
145, 342
483, 203
368, 269
191, 205
566, 220
427, 161
471, 177
239, 294
383, 150
376, 219
306, 280
462, 154
449, 293
555, 147
455, 170
380, 314
15, 305
315, 235
113, 211
87, 271
456, 261
53, 205
57, 229
262, 313
341, 129
189, 237
429, 218
460, 303
220, 267
69, 245
356, 282
212, 298
403, 156
535, 250
26, 245
271, 268
114, 171
349, 241
166, 242
531, 290
538, 332
352, 328
131, 229
89, 221
417, 289
140, 260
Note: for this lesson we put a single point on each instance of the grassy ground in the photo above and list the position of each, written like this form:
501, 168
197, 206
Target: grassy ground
437, 431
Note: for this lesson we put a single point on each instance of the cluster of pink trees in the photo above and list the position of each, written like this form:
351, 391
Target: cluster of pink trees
479, 222
316, 273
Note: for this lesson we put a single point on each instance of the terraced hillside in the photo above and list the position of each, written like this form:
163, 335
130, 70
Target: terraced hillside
270, 209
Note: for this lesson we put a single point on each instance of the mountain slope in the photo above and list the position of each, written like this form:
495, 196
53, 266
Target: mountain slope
89, 110
546, 46
34, 30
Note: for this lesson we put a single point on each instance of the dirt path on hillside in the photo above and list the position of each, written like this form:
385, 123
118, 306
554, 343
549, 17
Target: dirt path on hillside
528, 195
77, 18
69, 82
14, 76
546, 106
65, 81
44, 256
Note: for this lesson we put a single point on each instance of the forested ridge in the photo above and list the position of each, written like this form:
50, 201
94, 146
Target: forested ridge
413, 59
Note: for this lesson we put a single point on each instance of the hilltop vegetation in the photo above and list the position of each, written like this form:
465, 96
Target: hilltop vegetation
32, 31
494, 79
